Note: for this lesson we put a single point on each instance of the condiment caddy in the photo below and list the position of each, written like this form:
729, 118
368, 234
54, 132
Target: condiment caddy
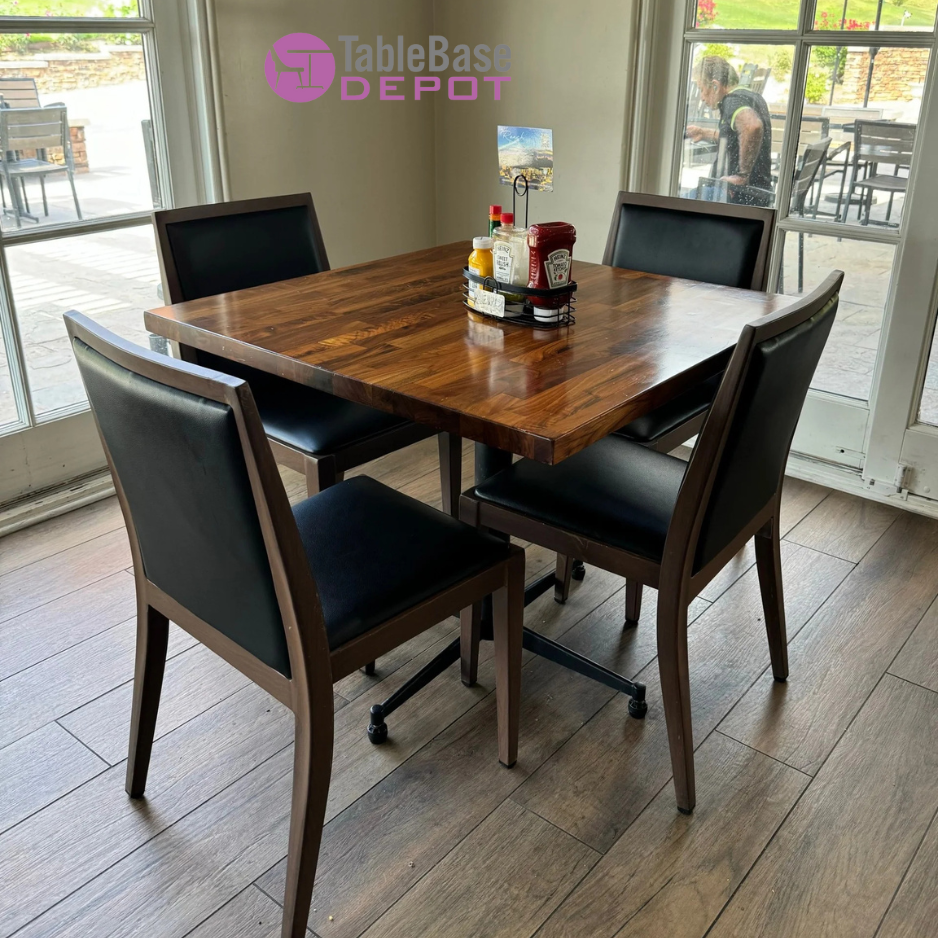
522, 275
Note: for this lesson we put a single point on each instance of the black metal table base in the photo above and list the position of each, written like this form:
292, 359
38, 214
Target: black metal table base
489, 461
533, 642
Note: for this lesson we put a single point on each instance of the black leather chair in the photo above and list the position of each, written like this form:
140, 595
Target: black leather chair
210, 249
712, 242
655, 519
295, 599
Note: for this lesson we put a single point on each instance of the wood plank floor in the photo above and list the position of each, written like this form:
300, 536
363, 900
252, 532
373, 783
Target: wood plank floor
817, 800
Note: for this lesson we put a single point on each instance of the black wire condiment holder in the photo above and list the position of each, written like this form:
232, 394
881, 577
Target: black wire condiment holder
561, 316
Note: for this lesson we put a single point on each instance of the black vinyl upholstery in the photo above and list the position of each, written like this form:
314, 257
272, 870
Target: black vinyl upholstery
233, 252
236, 251
662, 420
701, 246
308, 420
757, 448
615, 491
181, 465
376, 553
712, 248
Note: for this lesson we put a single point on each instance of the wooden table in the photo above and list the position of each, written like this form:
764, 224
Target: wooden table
394, 334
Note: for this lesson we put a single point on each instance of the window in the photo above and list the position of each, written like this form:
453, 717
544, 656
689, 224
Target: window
793, 106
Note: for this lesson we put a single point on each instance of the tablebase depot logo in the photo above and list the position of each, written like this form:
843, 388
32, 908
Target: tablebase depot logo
299, 67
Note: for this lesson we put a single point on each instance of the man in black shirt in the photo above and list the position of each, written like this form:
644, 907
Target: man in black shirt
744, 157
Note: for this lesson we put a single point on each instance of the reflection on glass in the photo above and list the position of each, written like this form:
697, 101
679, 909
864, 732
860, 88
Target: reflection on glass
875, 14
846, 366
7, 403
111, 277
928, 407
858, 130
76, 111
736, 106
743, 14
102, 8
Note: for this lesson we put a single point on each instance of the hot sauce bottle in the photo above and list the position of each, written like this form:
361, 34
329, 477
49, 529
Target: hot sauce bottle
550, 263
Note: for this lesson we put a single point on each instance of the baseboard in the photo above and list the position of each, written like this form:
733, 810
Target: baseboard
850, 481
49, 503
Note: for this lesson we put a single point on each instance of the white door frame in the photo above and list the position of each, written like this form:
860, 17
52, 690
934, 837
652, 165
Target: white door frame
875, 448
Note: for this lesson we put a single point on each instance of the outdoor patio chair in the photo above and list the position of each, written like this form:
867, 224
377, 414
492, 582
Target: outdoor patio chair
804, 185
37, 129
879, 143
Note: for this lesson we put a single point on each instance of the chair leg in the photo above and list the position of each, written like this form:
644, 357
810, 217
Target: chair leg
450, 471
562, 578
71, 179
508, 627
320, 474
312, 768
800, 262
470, 634
769, 564
152, 638
633, 602
675, 694
45, 201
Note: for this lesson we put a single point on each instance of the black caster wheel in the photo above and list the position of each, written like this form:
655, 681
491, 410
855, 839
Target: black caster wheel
377, 728
578, 571
637, 709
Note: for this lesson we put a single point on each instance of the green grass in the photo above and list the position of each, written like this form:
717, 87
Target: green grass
783, 14
68, 8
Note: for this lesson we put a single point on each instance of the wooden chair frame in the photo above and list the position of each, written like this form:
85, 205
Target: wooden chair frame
326, 469
314, 667
674, 577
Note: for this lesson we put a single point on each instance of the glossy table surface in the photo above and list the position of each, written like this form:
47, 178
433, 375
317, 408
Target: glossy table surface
394, 334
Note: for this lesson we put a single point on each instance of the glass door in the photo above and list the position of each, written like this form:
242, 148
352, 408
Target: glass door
821, 110
83, 162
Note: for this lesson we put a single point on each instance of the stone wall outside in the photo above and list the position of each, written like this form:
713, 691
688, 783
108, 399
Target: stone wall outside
898, 75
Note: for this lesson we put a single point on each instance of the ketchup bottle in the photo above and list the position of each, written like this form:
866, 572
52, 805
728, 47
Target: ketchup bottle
551, 261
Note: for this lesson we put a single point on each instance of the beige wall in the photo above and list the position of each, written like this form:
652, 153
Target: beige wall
569, 72
368, 164
393, 177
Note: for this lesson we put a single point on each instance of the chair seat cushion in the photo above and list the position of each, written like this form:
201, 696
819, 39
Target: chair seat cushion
308, 420
616, 492
670, 416
890, 183
375, 553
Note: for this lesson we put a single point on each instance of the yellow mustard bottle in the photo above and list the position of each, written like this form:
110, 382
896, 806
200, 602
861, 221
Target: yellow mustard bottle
481, 264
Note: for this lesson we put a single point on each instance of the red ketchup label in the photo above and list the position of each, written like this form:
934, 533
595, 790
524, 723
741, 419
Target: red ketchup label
551, 261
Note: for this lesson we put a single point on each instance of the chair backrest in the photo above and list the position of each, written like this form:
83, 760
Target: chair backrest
760, 79
208, 519
746, 74
812, 130
709, 241
811, 162
19, 92
33, 128
884, 142
210, 249
738, 462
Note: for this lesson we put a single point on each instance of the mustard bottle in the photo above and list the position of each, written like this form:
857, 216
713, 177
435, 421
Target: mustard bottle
480, 264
